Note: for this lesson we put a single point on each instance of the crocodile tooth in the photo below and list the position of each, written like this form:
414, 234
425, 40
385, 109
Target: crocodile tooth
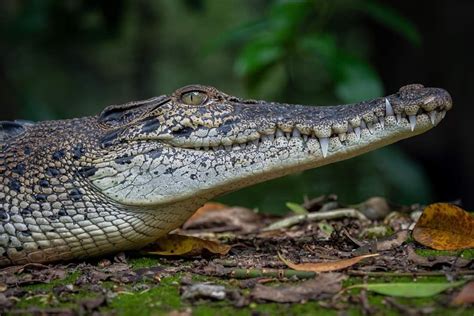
228, 147
363, 124
287, 135
370, 128
279, 133
324, 141
433, 117
443, 114
305, 138
388, 108
382, 122
399, 118
412, 119
206, 148
295, 133
357, 132
342, 137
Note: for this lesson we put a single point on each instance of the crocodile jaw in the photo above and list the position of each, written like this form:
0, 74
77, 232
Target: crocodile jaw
287, 139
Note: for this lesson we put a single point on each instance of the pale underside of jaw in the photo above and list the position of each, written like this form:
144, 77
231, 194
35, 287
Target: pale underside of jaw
348, 133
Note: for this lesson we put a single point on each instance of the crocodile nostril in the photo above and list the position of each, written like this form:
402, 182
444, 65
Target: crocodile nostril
447, 100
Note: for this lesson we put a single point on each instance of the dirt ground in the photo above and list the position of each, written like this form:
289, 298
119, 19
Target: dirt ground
252, 277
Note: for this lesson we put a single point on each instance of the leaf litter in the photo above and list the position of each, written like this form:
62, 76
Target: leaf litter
243, 262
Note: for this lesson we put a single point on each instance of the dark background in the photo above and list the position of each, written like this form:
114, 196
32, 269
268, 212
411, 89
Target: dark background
62, 59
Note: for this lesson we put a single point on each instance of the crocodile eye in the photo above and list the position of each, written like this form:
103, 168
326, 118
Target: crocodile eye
194, 98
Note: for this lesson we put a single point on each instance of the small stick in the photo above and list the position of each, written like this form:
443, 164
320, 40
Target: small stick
239, 273
317, 216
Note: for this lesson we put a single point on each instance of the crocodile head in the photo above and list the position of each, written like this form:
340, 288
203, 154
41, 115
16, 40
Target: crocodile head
200, 142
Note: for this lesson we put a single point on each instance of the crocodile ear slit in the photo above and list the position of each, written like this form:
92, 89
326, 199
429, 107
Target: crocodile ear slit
120, 114
11, 129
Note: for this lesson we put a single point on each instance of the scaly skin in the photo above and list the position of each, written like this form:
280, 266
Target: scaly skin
95, 185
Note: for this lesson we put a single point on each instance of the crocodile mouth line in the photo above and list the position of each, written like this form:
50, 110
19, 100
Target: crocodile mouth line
345, 132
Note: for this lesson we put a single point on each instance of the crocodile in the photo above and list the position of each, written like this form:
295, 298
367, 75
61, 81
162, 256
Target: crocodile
84, 187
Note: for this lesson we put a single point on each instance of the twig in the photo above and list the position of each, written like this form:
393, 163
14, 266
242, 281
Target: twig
364, 301
239, 273
406, 310
317, 216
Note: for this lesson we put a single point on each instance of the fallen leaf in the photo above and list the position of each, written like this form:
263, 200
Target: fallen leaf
296, 208
219, 218
323, 285
325, 266
325, 229
465, 296
178, 245
209, 207
413, 289
445, 226
394, 241
387, 243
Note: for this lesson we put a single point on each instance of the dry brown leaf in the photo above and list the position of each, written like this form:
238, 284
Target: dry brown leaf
325, 266
465, 296
444, 226
179, 245
218, 217
209, 207
324, 285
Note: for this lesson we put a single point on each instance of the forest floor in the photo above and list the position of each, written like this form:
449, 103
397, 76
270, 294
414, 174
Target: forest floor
392, 274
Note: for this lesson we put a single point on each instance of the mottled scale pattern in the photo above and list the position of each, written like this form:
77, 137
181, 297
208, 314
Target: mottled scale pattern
119, 180
49, 210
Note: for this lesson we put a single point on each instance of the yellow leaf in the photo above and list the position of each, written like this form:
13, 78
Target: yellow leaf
325, 266
179, 245
445, 226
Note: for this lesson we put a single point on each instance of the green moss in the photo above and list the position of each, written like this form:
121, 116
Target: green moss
165, 297
310, 308
50, 300
69, 279
144, 262
159, 300
467, 254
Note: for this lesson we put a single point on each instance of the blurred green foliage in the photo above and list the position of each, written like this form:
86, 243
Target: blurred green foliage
72, 58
